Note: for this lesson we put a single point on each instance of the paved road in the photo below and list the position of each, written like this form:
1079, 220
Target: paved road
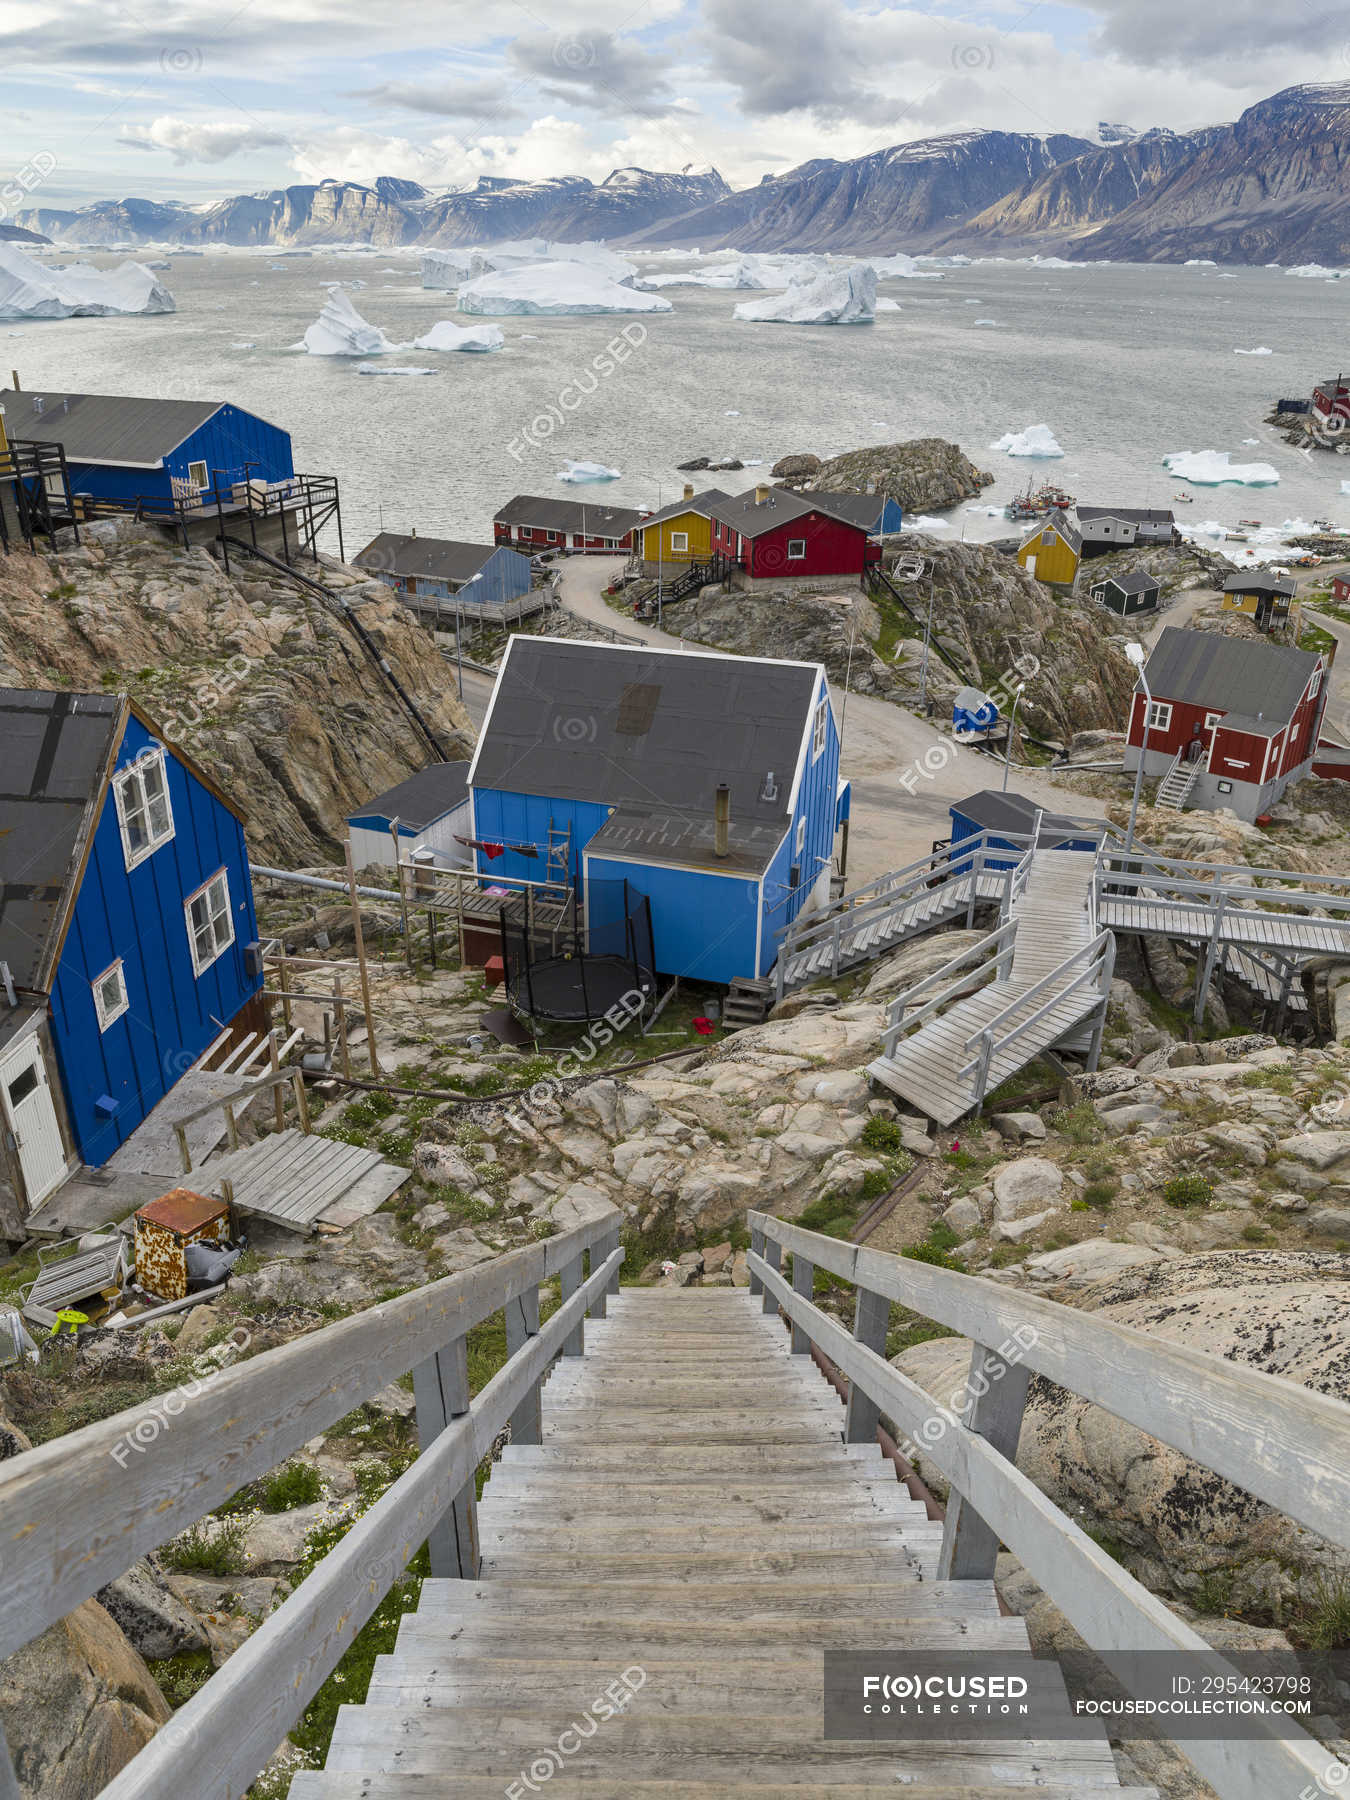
905, 774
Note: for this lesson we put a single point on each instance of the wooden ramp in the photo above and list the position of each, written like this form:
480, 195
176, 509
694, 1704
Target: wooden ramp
293, 1179
691, 1514
1052, 974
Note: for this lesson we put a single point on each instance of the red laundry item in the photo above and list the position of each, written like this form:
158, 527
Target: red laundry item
704, 1027
493, 851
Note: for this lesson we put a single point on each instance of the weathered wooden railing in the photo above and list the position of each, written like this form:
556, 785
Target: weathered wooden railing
77, 1512
986, 962
1089, 968
1288, 1445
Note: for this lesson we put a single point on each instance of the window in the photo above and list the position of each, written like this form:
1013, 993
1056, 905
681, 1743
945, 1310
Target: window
209, 922
197, 475
143, 810
1315, 683
796, 549
1159, 715
1211, 720
1047, 537
679, 540
820, 728
801, 835
110, 995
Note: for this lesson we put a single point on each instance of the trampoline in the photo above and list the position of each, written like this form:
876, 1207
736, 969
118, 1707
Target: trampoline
580, 973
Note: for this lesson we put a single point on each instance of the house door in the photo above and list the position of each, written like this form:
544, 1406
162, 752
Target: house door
30, 1113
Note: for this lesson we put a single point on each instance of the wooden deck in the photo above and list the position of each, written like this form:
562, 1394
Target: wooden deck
293, 1179
692, 1514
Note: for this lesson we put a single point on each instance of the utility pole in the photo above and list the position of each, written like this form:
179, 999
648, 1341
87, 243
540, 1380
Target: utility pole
927, 639
361, 960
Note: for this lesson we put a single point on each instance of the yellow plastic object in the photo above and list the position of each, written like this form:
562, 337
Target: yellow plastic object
69, 1320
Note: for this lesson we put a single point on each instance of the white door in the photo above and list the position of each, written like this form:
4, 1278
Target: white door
30, 1113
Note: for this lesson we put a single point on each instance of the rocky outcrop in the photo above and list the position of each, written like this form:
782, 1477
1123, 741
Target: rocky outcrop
259, 681
1181, 1526
924, 474
830, 628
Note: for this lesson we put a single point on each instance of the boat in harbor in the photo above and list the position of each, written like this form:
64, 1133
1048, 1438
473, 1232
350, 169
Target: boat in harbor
1038, 502
1251, 524
1185, 499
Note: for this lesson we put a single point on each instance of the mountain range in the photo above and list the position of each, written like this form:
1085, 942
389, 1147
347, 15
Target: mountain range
1272, 186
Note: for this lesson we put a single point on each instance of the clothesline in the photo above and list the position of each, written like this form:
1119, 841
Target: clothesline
493, 851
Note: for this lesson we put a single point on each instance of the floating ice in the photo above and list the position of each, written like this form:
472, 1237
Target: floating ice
730, 412
446, 335
985, 321
886, 304
1199, 262
837, 297
587, 471
445, 269
79, 291
1260, 350
740, 274
340, 330
1212, 468
546, 290
243, 346
902, 268
924, 523
1036, 440
1317, 272
1345, 487
1247, 441
393, 369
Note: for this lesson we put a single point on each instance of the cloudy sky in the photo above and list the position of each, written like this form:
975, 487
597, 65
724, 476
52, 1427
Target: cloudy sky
194, 101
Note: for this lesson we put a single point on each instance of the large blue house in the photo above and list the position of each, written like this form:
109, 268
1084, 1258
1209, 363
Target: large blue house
126, 921
127, 448
612, 756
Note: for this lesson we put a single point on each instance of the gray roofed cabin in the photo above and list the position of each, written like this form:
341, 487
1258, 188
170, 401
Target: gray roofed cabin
1135, 592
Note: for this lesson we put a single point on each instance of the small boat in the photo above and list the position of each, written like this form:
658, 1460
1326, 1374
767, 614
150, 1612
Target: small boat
1185, 499
1251, 524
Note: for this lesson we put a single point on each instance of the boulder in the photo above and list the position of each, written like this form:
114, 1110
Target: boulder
713, 1194
443, 1165
633, 1110
1334, 1221
1120, 1119
716, 1258
963, 1215
1019, 1125
600, 1100
1082, 1264
794, 468
152, 1617
1319, 1150
1029, 1185
196, 1328
460, 1250
846, 1088
275, 1542
76, 1704
1012, 1231
578, 1205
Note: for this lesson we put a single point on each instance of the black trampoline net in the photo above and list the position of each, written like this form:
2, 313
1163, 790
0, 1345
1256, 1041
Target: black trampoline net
581, 971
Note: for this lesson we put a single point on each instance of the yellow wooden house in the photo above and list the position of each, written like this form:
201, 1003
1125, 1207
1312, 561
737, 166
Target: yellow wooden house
1052, 551
1261, 596
679, 534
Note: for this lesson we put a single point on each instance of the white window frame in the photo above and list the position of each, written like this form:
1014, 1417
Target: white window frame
796, 549
679, 540
1211, 720
1158, 715
205, 481
801, 836
135, 800
212, 922
1315, 684
820, 729
110, 1015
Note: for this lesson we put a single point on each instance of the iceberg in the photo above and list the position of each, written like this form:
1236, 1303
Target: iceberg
1260, 350
446, 335
886, 304
1345, 487
903, 268
984, 321
1036, 440
78, 291
1199, 262
1316, 272
740, 274
836, 297
340, 330
445, 269
1212, 468
393, 369
552, 289
587, 471
925, 523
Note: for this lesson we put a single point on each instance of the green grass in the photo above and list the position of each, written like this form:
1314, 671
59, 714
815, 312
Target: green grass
1327, 1623
1080, 1124
882, 1134
1100, 1194
178, 1678
1188, 1190
210, 1547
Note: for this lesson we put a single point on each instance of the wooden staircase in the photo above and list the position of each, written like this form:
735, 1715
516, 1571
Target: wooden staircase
691, 1535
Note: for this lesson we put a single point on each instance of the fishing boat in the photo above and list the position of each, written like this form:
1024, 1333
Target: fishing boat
1036, 503
1251, 524
1185, 499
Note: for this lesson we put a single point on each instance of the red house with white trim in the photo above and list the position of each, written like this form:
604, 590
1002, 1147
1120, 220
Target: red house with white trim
533, 524
1331, 403
1232, 721
770, 536
1340, 587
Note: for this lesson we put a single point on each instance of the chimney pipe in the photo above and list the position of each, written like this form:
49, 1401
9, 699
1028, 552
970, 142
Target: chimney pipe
761, 493
14, 378
688, 490
721, 819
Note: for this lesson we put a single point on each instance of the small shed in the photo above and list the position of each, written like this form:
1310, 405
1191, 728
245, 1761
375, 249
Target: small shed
164, 1229
1125, 594
482, 576
1052, 550
430, 812
973, 710
1014, 815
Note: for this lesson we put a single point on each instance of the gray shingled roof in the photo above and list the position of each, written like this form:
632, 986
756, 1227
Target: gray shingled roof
646, 729
1137, 581
1229, 675
752, 518
1132, 515
439, 559
1010, 813
105, 428
1059, 522
854, 509
596, 517
429, 794
1255, 581
699, 503
55, 749
685, 840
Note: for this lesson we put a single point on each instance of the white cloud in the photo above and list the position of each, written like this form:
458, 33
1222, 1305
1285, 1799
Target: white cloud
203, 140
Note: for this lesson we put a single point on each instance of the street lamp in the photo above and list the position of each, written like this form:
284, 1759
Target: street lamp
1135, 652
1018, 692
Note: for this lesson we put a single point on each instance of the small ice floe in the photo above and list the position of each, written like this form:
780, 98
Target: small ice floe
587, 471
243, 346
1249, 441
986, 321
924, 523
1215, 468
446, 335
886, 304
393, 369
988, 512
1345, 485
1260, 350
730, 412
1035, 440
529, 337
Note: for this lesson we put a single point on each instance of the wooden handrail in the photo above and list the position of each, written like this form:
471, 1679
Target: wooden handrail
992, 1501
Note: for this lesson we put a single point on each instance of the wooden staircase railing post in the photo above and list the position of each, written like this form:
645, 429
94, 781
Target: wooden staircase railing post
570, 1278
871, 1320
803, 1283
522, 1323
998, 1394
757, 1249
441, 1390
601, 1252
773, 1255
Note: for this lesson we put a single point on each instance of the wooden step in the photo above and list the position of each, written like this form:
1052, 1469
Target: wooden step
450, 1641
566, 1601
317, 1784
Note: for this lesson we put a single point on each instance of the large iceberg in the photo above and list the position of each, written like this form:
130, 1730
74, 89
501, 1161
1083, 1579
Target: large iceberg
1212, 468
445, 269
836, 297
446, 335
79, 291
1316, 272
1036, 440
550, 289
340, 330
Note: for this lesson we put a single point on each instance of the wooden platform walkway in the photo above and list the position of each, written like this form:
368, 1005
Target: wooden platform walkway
691, 1515
293, 1179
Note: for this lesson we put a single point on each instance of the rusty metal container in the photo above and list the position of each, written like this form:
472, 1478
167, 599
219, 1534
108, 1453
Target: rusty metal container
164, 1229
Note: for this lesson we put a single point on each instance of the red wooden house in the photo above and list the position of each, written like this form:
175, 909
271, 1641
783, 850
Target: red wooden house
1232, 721
1331, 403
771, 536
533, 524
1340, 587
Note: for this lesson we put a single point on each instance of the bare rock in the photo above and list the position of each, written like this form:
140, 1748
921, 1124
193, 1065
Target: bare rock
1019, 1125
1029, 1185
155, 1621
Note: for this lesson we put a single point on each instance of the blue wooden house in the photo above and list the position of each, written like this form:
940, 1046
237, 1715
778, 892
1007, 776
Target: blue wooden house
1011, 820
480, 576
612, 756
125, 448
128, 940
